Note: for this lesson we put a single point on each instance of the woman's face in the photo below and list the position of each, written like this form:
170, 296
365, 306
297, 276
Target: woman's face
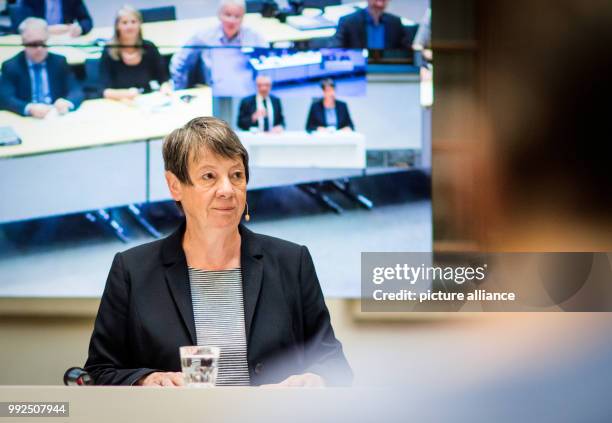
218, 195
128, 26
329, 93
231, 18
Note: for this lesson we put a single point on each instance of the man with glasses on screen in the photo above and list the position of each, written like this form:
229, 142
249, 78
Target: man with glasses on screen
371, 28
262, 111
36, 82
229, 32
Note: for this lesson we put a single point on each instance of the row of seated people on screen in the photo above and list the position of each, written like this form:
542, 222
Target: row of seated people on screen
35, 82
129, 63
371, 27
264, 112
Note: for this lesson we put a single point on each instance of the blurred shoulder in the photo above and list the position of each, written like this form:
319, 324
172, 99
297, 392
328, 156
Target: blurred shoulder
15, 61
249, 99
57, 59
352, 18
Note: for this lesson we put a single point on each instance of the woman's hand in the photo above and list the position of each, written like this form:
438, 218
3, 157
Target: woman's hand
131, 93
121, 94
307, 380
162, 379
166, 88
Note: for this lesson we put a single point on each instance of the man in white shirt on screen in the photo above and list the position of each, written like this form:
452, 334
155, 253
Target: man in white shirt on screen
228, 33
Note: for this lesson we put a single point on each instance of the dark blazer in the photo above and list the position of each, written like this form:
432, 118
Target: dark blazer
16, 88
316, 116
146, 314
72, 10
352, 33
248, 106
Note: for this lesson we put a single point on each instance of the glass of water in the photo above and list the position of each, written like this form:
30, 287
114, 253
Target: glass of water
200, 365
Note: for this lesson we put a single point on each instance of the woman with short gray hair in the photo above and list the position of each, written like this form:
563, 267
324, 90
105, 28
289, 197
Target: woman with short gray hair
213, 282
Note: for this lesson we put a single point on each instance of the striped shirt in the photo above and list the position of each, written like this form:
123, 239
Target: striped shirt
218, 311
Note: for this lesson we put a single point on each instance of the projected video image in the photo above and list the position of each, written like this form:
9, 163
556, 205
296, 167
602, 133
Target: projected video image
336, 126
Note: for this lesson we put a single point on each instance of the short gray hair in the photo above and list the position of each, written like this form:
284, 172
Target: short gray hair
263, 76
223, 3
327, 82
184, 144
33, 23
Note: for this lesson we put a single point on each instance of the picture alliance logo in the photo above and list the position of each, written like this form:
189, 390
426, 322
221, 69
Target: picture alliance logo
412, 274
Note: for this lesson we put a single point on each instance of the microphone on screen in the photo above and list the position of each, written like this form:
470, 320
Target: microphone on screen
75, 376
247, 216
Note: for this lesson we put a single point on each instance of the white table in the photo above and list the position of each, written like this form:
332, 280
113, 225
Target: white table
335, 150
103, 122
95, 157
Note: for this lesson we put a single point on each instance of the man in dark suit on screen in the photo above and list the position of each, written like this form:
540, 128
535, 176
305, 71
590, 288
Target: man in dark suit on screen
262, 110
371, 28
36, 82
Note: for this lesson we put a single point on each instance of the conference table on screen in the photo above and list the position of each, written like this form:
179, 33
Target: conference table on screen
108, 154
169, 36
